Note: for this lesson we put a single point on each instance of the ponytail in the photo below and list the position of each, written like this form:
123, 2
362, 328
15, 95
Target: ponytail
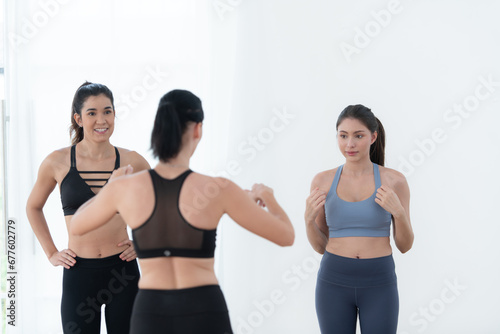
175, 110
75, 131
166, 138
366, 116
377, 149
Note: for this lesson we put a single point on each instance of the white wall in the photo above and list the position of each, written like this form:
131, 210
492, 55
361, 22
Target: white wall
251, 61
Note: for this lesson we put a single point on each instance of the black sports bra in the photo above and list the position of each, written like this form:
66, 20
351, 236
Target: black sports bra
166, 232
75, 190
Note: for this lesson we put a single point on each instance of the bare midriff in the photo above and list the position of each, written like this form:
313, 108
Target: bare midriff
172, 273
360, 247
102, 242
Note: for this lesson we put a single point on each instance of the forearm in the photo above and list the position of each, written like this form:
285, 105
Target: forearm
316, 237
97, 211
277, 211
403, 232
83, 207
40, 227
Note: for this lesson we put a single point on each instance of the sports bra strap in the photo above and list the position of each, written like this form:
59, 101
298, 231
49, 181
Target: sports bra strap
73, 158
333, 188
117, 161
336, 179
376, 171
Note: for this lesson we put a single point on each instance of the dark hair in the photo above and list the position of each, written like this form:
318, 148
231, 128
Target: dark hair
365, 116
175, 110
82, 93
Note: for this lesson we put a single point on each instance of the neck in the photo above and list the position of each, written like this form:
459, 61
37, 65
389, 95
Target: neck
96, 150
358, 167
180, 161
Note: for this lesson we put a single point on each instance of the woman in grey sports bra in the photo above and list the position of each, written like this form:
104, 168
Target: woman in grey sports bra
349, 214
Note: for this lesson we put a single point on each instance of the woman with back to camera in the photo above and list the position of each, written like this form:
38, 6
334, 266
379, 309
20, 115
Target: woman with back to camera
173, 232
100, 267
348, 217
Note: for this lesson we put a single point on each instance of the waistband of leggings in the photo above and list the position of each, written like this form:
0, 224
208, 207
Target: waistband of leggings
109, 261
179, 302
353, 272
173, 292
345, 259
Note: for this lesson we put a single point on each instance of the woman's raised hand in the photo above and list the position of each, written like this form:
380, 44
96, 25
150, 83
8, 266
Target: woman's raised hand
314, 203
259, 193
125, 170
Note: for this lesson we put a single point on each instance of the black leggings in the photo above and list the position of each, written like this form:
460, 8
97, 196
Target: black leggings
88, 285
348, 287
185, 311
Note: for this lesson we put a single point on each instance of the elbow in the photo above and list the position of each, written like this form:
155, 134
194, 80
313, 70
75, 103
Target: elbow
32, 212
406, 247
319, 250
31, 209
404, 250
318, 244
404, 239
288, 240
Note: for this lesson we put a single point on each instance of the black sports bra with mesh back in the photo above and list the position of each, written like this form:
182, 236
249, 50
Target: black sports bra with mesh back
75, 190
166, 232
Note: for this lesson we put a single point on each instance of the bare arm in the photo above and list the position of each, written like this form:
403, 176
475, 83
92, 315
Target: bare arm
396, 200
43, 187
316, 228
138, 164
273, 225
99, 210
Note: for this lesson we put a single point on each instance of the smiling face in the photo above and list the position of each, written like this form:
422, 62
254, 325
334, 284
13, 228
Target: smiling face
354, 139
97, 118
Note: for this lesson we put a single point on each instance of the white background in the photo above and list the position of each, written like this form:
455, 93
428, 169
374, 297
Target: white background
414, 63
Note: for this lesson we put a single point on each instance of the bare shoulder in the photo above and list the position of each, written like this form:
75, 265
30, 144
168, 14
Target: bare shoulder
129, 157
131, 182
61, 155
324, 179
213, 184
58, 162
392, 177
218, 191
126, 154
55, 166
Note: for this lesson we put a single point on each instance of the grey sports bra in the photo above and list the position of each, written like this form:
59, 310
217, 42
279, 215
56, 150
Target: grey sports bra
356, 219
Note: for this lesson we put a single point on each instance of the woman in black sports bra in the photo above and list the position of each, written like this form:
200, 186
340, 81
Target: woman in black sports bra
174, 214
100, 267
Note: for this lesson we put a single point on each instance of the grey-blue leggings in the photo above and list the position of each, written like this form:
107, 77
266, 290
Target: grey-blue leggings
347, 287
